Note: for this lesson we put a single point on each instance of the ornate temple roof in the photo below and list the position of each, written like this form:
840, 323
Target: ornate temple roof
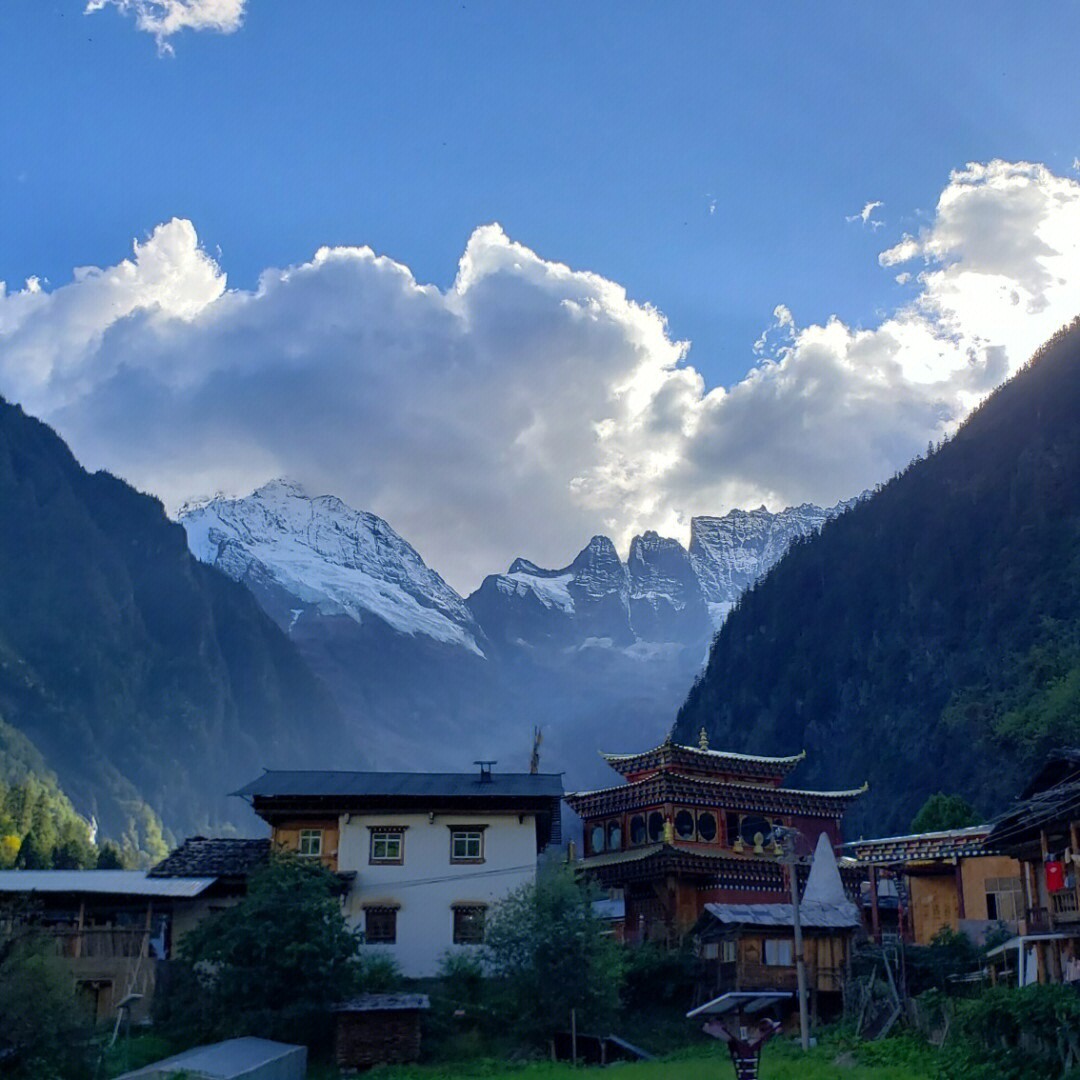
685, 790
726, 869
670, 755
922, 847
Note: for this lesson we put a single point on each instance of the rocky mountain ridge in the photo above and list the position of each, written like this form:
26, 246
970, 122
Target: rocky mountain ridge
315, 556
598, 653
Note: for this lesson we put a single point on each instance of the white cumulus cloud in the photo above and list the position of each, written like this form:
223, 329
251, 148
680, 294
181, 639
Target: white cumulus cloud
529, 405
163, 18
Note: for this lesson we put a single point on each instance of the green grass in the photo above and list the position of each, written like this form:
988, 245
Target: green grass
781, 1061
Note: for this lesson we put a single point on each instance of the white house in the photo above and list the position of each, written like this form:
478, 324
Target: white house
422, 856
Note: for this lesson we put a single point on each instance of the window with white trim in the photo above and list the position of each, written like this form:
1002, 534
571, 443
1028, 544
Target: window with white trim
466, 845
310, 845
387, 846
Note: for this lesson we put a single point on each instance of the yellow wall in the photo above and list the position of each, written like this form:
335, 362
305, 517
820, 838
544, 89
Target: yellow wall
933, 905
287, 838
975, 872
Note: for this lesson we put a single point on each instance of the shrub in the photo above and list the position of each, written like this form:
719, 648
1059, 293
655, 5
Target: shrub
1011, 1034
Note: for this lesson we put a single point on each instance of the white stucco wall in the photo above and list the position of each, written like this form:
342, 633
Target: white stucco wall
427, 883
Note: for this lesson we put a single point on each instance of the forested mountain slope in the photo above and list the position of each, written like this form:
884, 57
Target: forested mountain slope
928, 639
150, 683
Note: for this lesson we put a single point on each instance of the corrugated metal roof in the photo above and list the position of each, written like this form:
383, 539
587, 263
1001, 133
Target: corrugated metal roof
299, 783
813, 916
384, 1003
234, 1059
104, 882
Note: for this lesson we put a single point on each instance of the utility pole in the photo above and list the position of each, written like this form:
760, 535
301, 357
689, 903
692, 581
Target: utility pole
789, 836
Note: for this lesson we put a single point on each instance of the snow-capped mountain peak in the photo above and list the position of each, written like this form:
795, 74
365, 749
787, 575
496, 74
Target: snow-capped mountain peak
322, 553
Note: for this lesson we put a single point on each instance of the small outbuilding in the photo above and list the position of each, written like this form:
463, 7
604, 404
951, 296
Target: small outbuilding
235, 1059
751, 947
378, 1029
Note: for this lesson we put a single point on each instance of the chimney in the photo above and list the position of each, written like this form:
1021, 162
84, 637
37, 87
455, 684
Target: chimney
485, 770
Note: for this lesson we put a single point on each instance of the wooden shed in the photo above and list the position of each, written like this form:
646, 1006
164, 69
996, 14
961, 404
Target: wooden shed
378, 1029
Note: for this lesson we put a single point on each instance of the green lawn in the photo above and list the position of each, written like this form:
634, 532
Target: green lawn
780, 1062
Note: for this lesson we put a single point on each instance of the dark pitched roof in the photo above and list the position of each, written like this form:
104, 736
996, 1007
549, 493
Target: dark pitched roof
1051, 801
812, 915
406, 785
200, 857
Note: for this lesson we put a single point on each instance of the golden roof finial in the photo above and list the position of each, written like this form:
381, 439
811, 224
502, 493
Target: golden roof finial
703, 740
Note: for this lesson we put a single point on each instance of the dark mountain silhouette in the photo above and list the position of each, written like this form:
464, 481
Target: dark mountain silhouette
928, 639
151, 684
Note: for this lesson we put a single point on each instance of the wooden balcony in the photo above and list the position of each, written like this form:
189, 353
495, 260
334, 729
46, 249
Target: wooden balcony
101, 943
1037, 921
1065, 906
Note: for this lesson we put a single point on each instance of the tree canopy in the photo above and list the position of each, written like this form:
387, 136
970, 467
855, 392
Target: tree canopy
278, 960
941, 812
549, 948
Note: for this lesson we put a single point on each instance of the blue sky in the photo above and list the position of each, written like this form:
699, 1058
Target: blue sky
705, 157
597, 134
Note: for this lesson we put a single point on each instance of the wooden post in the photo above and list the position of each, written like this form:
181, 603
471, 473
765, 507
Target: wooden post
1074, 848
1031, 892
875, 916
1049, 899
82, 924
959, 892
800, 960
573, 1037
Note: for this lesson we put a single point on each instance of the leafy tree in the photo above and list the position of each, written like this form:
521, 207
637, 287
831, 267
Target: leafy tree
33, 854
550, 951
110, 857
277, 961
941, 812
43, 1023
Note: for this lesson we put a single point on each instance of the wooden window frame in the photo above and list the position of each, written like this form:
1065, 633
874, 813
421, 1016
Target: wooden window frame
467, 831
309, 833
463, 912
381, 912
382, 833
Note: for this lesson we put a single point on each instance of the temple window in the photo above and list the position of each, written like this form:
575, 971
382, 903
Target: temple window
596, 838
684, 825
637, 829
706, 826
656, 827
614, 836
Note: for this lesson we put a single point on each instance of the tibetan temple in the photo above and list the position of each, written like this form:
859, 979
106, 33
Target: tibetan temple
691, 826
